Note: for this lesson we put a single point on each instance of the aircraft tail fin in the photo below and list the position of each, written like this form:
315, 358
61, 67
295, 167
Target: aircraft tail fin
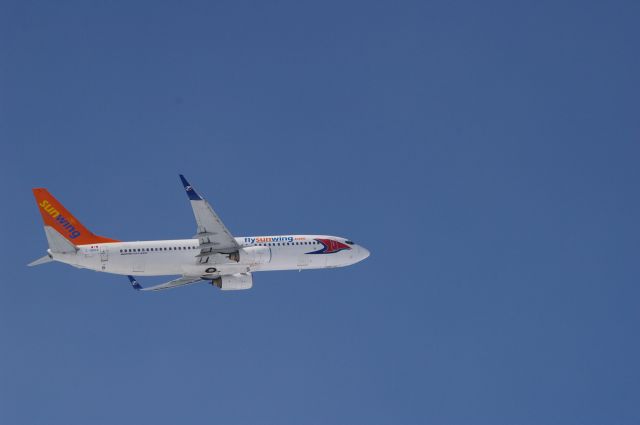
60, 223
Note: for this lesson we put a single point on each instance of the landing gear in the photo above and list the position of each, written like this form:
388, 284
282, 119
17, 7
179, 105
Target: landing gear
211, 270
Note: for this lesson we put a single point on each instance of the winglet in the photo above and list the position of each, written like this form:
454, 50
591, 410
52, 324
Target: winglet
191, 192
134, 283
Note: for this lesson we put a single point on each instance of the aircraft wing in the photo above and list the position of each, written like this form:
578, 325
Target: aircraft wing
212, 233
184, 280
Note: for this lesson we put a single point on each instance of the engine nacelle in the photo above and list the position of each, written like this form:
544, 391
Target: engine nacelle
255, 255
234, 282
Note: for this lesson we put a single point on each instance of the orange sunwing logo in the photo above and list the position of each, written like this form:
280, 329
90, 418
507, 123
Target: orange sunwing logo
63, 222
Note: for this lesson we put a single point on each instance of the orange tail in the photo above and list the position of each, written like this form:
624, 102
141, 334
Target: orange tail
59, 218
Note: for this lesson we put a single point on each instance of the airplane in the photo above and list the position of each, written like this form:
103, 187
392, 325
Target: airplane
213, 255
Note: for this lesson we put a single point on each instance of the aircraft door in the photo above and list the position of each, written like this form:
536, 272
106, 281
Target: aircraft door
104, 254
304, 260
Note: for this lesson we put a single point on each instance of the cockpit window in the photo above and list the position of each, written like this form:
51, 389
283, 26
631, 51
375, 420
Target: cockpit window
350, 242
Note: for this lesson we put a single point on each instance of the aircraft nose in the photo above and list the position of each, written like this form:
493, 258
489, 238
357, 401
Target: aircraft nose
364, 252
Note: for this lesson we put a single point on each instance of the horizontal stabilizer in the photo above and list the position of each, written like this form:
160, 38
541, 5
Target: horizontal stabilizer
43, 260
184, 280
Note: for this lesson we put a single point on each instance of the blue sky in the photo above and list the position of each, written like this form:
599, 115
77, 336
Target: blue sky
485, 152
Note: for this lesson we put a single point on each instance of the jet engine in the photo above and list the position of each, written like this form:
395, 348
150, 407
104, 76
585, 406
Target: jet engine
234, 282
255, 255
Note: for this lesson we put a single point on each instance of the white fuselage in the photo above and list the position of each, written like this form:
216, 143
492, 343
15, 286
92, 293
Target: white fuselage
256, 253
